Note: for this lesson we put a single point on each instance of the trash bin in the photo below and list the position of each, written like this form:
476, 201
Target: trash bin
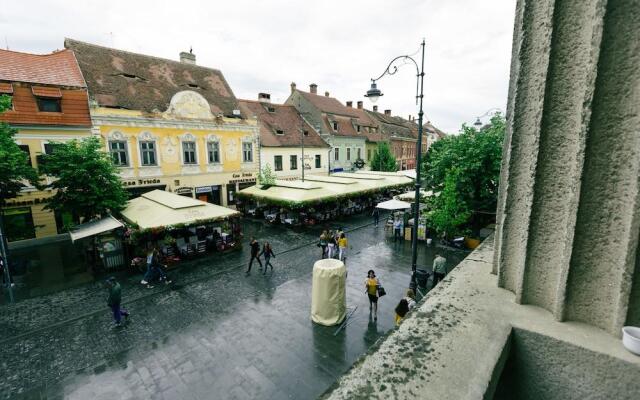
422, 276
328, 292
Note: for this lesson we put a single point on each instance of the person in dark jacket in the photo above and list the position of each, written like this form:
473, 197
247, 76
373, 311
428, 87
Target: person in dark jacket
255, 250
267, 251
376, 216
114, 300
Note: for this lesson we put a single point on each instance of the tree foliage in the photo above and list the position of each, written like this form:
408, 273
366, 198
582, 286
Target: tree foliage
15, 170
465, 170
266, 177
383, 159
86, 182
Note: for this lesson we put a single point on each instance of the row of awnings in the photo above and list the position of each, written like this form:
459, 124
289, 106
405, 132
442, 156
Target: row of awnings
38, 91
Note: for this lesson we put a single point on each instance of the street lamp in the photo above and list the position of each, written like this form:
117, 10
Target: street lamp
478, 123
374, 94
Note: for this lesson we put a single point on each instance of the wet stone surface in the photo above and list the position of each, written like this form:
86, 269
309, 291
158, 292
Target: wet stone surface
214, 333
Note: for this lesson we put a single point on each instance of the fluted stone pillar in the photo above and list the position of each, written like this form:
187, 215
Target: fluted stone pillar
569, 201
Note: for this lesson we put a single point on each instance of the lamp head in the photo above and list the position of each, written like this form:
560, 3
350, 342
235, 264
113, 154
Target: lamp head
373, 93
477, 124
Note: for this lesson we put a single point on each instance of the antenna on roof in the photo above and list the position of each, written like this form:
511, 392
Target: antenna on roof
191, 49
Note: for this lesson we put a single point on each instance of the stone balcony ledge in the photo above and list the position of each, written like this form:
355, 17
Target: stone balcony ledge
468, 339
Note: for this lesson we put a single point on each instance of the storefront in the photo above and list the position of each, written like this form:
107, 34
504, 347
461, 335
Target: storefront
210, 194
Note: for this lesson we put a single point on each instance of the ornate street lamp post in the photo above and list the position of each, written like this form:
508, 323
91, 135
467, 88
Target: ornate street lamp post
373, 94
478, 123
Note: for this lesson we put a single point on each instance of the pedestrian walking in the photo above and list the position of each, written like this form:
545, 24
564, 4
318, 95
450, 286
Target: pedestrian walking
255, 250
371, 285
148, 275
157, 267
324, 242
439, 269
397, 229
5, 273
267, 251
331, 244
114, 300
376, 217
342, 246
401, 310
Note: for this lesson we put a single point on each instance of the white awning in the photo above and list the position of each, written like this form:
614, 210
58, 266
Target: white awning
96, 227
394, 205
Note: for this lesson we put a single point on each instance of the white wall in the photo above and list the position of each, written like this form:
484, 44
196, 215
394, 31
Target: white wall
267, 155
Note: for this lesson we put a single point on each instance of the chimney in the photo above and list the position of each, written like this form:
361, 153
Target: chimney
349, 104
360, 105
264, 97
326, 94
375, 108
387, 112
293, 87
410, 118
188, 58
313, 88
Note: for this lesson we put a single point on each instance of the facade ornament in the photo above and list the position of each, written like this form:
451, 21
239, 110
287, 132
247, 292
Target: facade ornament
189, 104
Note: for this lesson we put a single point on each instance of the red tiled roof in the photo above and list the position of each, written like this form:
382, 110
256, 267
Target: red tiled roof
43, 91
59, 68
328, 104
284, 118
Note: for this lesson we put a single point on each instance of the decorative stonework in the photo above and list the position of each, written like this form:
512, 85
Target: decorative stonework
214, 168
231, 150
144, 172
169, 150
117, 135
189, 104
147, 136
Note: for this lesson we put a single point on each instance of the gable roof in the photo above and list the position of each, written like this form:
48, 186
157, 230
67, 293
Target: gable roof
285, 118
397, 126
59, 68
118, 78
328, 104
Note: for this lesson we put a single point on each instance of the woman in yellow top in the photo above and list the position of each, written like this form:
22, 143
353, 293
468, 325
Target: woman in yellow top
342, 245
372, 291
401, 310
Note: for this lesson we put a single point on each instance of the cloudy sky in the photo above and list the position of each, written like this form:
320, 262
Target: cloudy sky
263, 46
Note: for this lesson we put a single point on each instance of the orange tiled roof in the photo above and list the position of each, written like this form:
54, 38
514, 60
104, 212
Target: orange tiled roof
284, 118
59, 68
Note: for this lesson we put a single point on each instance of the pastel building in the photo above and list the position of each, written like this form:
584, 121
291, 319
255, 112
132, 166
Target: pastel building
288, 143
170, 125
49, 104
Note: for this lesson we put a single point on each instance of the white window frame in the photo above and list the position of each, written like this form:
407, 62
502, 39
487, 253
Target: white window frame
209, 151
291, 158
244, 159
275, 164
348, 153
124, 150
148, 137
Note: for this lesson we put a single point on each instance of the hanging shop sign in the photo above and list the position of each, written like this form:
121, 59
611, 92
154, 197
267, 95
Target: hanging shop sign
203, 189
183, 190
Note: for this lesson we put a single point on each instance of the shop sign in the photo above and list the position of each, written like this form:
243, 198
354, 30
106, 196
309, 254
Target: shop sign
30, 202
183, 190
203, 189
243, 175
359, 163
141, 182
245, 180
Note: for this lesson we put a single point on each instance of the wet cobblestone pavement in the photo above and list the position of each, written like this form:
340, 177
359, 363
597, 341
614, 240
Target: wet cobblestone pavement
213, 334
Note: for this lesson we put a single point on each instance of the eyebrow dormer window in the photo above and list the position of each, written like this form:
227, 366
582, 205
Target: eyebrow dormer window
271, 109
279, 132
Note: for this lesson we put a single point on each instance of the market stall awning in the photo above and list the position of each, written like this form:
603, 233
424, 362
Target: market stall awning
93, 228
322, 188
393, 205
158, 208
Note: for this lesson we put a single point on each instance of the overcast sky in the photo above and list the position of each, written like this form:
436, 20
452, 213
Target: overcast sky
263, 46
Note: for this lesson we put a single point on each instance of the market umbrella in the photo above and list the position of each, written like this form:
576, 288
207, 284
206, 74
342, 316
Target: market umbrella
393, 205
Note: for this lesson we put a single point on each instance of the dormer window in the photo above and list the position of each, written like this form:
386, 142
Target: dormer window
193, 85
271, 109
358, 128
335, 126
279, 132
306, 133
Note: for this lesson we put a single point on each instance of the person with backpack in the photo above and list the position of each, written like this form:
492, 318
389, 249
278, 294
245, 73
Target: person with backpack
267, 251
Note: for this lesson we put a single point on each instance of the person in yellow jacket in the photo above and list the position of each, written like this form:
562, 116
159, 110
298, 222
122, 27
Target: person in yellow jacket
371, 284
342, 246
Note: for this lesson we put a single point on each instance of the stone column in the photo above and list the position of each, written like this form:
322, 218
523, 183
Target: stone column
569, 205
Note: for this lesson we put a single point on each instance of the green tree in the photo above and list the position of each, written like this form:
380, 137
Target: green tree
266, 177
86, 182
382, 159
464, 171
15, 170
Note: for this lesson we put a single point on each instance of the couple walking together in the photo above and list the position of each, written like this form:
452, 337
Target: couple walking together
267, 252
330, 240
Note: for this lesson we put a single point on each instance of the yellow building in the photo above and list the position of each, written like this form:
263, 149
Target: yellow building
169, 125
49, 104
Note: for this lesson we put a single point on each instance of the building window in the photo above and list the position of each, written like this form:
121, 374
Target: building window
318, 160
65, 221
271, 109
306, 133
18, 224
336, 153
348, 153
335, 126
25, 148
368, 154
359, 153
148, 153
46, 104
189, 152
214, 152
247, 152
277, 162
118, 150
293, 162
358, 128
279, 132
